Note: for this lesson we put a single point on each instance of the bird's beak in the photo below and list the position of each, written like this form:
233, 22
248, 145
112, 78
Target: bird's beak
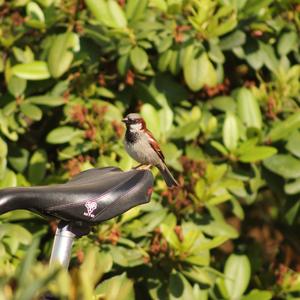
125, 120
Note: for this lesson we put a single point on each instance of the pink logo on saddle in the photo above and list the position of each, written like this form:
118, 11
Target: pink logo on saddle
90, 206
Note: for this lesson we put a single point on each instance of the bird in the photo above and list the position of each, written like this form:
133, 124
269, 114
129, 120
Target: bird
143, 147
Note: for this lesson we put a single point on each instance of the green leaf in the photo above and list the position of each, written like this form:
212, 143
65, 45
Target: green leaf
160, 4
108, 13
35, 16
164, 45
164, 60
293, 187
257, 153
23, 56
170, 236
51, 101
95, 264
106, 93
188, 53
152, 119
223, 103
188, 131
61, 53
172, 155
180, 288
4, 128
18, 158
269, 58
255, 59
215, 54
219, 147
9, 179
127, 257
45, 3
123, 64
166, 116
17, 232
165, 90
287, 42
248, 109
237, 208
200, 188
74, 150
37, 166
135, 9
258, 295
293, 144
99, 9
30, 291
200, 259
227, 20
230, 131
284, 165
27, 263
139, 58
16, 86
117, 14
112, 113
219, 228
194, 152
35, 12
199, 71
36, 70
116, 288
283, 129
174, 63
237, 273
292, 212
148, 222
130, 214
235, 39
199, 274
31, 111
254, 7
3, 148
61, 135
208, 244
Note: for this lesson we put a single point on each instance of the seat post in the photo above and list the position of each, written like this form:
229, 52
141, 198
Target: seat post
63, 241
62, 245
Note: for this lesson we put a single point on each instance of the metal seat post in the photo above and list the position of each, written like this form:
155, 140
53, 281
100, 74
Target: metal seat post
63, 242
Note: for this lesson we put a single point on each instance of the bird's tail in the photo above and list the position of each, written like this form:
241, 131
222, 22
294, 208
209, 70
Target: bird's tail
168, 177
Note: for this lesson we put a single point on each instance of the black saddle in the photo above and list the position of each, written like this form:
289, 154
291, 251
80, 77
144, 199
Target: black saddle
91, 197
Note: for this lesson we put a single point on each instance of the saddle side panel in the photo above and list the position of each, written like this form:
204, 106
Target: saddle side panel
93, 196
96, 207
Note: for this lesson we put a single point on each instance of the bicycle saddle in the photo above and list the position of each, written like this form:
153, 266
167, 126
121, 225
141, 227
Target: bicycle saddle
91, 197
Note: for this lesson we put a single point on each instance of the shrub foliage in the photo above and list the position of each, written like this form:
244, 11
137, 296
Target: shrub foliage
218, 83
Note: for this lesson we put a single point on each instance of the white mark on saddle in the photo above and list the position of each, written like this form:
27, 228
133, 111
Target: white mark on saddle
90, 206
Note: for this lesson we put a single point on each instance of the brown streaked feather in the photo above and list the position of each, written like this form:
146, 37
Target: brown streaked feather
154, 144
143, 123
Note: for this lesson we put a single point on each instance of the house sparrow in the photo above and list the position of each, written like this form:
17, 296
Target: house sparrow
142, 147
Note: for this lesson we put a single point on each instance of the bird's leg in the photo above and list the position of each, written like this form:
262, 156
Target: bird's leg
137, 167
143, 167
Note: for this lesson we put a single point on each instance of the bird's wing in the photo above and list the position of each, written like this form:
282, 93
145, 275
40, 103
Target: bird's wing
155, 146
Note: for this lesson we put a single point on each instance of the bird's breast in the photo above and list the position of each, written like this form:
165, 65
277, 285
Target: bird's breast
141, 151
131, 137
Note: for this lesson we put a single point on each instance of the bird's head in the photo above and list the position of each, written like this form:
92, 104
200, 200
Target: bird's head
134, 122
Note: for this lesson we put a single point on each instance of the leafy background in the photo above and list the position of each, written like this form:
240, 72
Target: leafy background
218, 84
